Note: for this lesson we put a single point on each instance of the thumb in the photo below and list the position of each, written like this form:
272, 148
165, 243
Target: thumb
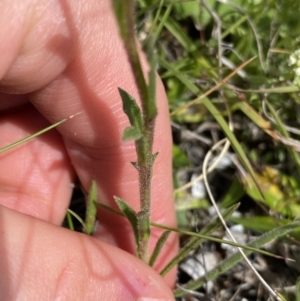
45, 262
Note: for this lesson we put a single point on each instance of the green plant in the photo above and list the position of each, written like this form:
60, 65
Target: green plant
142, 126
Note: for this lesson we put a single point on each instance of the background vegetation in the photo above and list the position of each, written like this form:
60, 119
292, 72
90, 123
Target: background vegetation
200, 46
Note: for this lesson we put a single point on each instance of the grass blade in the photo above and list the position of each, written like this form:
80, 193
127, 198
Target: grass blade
131, 216
91, 210
213, 110
196, 241
216, 114
218, 240
70, 221
228, 263
283, 89
52, 126
198, 235
77, 217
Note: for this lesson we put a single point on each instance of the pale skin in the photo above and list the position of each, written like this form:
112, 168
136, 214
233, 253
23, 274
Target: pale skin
59, 58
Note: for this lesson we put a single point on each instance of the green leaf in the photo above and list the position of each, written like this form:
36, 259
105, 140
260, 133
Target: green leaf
229, 262
131, 133
143, 219
182, 204
132, 111
258, 223
131, 216
91, 210
177, 31
216, 239
283, 89
161, 18
160, 243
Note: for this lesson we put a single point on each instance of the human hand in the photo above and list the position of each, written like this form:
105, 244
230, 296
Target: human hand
59, 58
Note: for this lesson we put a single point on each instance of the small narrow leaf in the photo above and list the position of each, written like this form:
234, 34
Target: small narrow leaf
91, 210
135, 165
131, 133
143, 225
131, 216
160, 243
154, 156
144, 234
132, 110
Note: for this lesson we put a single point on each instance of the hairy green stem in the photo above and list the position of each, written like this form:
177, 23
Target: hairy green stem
124, 10
125, 16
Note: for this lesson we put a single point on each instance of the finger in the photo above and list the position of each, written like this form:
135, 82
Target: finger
38, 43
95, 68
35, 176
36, 255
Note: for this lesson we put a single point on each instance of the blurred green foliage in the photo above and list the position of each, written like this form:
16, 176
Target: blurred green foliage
204, 41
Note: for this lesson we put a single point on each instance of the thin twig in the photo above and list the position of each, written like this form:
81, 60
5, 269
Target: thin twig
210, 169
191, 134
205, 164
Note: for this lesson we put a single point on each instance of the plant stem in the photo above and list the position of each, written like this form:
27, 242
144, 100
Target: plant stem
124, 10
125, 16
